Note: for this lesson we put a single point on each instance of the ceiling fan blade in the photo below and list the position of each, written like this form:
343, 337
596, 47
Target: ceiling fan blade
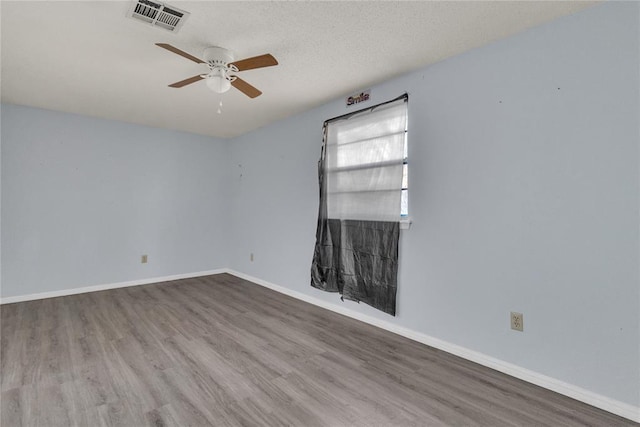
256, 62
180, 52
245, 88
185, 82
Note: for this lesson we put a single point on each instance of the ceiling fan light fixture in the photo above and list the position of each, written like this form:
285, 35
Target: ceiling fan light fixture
218, 83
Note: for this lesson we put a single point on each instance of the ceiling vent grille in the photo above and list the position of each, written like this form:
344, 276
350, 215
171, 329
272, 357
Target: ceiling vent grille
158, 14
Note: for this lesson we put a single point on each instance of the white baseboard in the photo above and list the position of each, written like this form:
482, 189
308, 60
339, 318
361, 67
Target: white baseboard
594, 399
82, 290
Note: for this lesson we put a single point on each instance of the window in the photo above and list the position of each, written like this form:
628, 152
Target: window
363, 197
366, 163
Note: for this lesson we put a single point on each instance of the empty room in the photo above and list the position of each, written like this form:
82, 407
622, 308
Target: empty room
346, 213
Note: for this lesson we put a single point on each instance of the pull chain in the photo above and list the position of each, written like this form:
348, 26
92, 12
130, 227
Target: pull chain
220, 107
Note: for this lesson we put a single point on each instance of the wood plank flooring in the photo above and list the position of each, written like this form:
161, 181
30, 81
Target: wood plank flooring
221, 351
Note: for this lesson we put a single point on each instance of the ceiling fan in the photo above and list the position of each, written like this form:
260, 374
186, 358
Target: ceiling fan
222, 69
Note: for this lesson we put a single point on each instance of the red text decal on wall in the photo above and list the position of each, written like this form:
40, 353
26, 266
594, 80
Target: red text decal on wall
361, 97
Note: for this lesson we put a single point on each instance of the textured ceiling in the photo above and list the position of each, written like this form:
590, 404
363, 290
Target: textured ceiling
87, 57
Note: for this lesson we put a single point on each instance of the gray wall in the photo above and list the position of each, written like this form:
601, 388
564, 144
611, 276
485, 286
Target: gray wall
83, 199
524, 192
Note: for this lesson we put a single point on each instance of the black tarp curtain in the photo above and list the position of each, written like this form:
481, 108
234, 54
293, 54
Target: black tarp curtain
356, 258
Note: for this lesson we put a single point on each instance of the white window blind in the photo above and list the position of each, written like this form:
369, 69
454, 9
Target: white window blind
364, 157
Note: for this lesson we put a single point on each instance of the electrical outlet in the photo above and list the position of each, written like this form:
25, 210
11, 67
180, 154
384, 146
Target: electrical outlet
143, 259
251, 257
516, 321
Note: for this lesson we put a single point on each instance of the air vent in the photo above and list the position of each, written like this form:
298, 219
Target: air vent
159, 14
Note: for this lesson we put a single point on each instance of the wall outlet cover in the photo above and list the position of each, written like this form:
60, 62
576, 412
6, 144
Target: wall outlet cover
517, 323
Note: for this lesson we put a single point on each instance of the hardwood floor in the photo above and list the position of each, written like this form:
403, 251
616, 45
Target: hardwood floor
220, 351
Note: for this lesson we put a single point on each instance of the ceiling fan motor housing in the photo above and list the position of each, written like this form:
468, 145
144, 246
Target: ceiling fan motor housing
218, 56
